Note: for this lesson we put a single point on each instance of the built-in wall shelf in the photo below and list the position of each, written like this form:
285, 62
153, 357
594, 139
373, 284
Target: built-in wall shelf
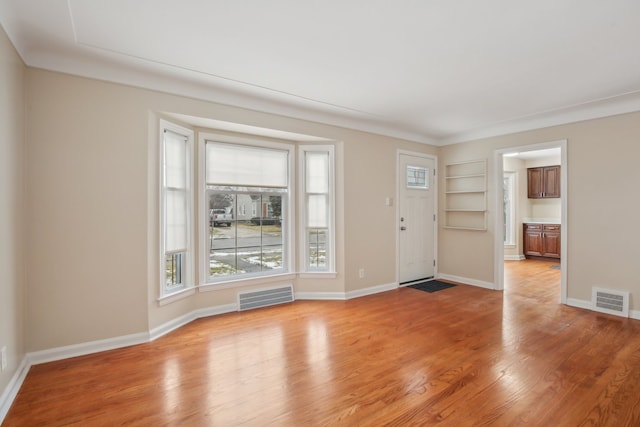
466, 195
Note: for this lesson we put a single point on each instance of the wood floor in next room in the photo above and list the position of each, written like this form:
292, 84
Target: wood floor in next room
463, 356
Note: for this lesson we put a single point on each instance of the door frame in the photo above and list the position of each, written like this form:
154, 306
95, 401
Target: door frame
399, 181
499, 221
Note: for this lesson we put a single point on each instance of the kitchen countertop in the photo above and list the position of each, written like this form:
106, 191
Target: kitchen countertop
541, 221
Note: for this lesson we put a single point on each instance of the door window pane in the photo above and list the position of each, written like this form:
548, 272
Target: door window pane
417, 177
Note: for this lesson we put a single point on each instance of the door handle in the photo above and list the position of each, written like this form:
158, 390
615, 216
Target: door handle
403, 228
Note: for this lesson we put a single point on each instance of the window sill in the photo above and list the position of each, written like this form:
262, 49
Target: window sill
208, 287
176, 296
318, 275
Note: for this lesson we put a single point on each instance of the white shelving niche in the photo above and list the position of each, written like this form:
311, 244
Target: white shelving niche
466, 195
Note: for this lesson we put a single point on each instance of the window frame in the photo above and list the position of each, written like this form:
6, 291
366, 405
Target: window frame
289, 250
510, 216
305, 268
167, 293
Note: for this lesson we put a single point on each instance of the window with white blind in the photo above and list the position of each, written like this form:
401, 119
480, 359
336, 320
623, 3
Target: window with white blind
317, 193
176, 200
509, 209
244, 243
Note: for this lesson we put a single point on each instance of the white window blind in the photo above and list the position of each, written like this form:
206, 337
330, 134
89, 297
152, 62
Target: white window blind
317, 211
317, 168
176, 221
317, 188
175, 182
241, 165
175, 156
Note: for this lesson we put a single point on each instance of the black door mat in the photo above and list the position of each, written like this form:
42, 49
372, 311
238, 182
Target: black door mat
431, 286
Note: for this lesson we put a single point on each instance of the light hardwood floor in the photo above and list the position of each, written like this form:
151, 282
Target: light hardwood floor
463, 356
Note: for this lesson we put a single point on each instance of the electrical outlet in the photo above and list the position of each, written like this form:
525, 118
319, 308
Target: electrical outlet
361, 273
4, 357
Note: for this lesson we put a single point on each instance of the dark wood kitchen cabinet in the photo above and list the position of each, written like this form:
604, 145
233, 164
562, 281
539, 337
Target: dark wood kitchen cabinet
541, 240
551, 240
543, 182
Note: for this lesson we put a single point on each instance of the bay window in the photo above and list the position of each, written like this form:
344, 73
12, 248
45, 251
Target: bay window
246, 209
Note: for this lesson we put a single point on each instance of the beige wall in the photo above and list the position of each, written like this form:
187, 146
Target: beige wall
371, 226
93, 218
11, 207
602, 206
86, 211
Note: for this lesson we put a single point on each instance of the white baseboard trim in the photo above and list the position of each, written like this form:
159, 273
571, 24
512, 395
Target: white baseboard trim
215, 310
514, 257
320, 296
176, 323
341, 296
371, 290
59, 353
171, 326
579, 303
467, 281
588, 305
11, 391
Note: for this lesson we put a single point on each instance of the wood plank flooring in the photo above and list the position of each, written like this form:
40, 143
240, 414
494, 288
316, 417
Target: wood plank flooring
463, 356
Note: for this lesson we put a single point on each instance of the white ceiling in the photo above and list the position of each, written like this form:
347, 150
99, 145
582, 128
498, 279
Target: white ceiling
433, 71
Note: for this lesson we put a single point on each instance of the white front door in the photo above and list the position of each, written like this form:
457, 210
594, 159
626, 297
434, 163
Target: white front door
416, 224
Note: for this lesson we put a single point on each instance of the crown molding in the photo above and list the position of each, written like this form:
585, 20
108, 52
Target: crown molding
110, 67
622, 104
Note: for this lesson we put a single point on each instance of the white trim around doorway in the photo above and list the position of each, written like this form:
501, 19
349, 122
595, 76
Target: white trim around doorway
498, 219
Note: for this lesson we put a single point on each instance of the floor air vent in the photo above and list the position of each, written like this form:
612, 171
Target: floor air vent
611, 302
265, 297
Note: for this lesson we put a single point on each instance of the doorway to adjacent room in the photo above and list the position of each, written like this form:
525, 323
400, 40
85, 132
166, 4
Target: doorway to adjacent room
532, 223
